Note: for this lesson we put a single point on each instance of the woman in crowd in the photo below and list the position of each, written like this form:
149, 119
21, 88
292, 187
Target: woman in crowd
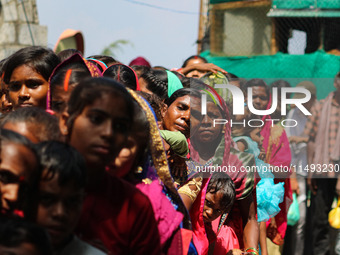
115, 213
160, 82
278, 153
144, 164
26, 74
123, 74
212, 146
65, 77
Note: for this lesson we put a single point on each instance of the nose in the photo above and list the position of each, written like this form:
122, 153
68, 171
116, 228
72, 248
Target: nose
107, 129
9, 195
186, 115
24, 93
257, 102
59, 211
209, 212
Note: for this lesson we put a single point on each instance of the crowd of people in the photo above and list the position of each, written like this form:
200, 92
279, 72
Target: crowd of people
99, 157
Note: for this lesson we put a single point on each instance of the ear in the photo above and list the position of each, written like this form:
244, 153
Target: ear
62, 123
164, 109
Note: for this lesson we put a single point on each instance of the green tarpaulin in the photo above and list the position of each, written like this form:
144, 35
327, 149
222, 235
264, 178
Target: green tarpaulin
294, 4
306, 4
318, 67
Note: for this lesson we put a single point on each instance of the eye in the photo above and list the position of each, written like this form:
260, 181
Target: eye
73, 202
96, 118
46, 200
7, 177
33, 84
213, 115
120, 127
58, 106
15, 86
196, 114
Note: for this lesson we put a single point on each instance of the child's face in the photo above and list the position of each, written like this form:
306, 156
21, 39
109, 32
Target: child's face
101, 130
27, 88
212, 206
60, 98
17, 167
59, 209
256, 136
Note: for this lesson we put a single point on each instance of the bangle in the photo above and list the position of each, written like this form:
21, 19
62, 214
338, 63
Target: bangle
252, 251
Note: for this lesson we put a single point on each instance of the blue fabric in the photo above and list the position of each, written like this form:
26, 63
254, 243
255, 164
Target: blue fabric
268, 194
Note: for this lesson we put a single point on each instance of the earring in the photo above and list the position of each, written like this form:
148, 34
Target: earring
139, 170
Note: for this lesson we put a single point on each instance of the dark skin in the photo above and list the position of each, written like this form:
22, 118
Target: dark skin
247, 205
197, 70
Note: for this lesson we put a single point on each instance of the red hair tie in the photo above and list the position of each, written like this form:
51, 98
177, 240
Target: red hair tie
67, 79
118, 76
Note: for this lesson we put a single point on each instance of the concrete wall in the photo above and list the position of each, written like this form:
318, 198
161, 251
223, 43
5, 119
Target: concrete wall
14, 30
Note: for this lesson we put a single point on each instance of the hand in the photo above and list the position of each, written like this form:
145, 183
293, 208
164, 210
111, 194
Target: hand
235, 252
311, 182
272, 229
177, 165
294, 186
202, 69
298, 139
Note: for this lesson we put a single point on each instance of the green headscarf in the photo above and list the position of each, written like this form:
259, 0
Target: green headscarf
173, 83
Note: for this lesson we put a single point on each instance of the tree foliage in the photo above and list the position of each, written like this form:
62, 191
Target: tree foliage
111, 49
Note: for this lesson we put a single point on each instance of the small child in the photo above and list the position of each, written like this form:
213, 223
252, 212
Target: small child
215, 200
61, 194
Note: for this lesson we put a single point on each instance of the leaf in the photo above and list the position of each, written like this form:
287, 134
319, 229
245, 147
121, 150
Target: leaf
114, 47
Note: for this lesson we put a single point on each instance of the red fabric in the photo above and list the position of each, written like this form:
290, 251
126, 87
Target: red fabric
200, 238
243, 181
168, 219
140, 61
278, 153
226, 239
205, 234
119, 217
186, 239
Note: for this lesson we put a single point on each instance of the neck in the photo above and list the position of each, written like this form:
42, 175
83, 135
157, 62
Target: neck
95, 179
206, 150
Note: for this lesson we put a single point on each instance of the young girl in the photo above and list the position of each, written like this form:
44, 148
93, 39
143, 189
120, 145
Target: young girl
216, 198
116, 215
144, 163
65, 77
26, 73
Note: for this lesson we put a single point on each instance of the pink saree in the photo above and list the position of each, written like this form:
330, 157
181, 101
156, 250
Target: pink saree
278, 153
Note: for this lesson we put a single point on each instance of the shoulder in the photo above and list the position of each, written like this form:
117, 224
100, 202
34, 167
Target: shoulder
80, 247
131, 193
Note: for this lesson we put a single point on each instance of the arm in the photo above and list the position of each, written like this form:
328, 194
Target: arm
189, 191
203, 67
263, 238
251, 229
